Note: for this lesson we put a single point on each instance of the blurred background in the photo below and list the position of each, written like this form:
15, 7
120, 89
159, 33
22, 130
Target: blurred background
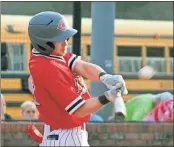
143, 35
125, 10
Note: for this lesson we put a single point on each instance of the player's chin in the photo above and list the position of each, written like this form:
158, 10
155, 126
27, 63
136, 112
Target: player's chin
64, 52
61, 53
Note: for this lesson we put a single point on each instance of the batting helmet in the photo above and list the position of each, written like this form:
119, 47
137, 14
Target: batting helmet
46, 28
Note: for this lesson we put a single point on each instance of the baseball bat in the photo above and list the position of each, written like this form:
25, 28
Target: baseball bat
119, 107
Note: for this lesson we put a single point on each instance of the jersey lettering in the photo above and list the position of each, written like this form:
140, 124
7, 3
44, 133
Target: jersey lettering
79, 84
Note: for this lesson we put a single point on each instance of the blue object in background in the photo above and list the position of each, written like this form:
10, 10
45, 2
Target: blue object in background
96, 118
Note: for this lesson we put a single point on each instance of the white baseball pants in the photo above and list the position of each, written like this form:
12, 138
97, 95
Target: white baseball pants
77, 136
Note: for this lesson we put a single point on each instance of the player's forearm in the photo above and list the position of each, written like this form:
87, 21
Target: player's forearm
89, 70
92, 72
91, 106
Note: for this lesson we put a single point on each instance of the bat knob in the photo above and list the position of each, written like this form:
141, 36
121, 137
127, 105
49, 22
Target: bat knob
119, 116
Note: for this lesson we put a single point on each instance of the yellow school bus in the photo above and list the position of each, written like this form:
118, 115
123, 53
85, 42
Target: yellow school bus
136, 43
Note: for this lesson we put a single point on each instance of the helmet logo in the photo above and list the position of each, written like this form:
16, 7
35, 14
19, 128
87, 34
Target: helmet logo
62, 26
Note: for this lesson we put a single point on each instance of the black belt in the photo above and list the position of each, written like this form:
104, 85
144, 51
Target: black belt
56, 137
53, 137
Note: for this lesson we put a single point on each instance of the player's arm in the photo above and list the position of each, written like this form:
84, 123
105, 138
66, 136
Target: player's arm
88, 70
96, 73
91, 105
94, 104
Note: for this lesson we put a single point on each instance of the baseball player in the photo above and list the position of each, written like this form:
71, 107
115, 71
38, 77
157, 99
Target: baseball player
61, 97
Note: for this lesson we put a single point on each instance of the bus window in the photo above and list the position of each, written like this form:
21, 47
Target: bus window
171, 51
129, 51
156, 59
171, 60
155, 51
129, 58
4, 57
16, 56
88, 53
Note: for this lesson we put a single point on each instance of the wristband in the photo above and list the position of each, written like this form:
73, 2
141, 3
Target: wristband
101, 74
103, 100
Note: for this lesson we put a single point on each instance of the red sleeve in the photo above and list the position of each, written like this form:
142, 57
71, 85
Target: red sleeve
60, 89
70, 59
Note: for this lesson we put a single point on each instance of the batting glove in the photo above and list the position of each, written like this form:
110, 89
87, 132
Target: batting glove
112, 80
114, 92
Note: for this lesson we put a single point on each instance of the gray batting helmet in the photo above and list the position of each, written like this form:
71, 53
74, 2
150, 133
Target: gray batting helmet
46, 28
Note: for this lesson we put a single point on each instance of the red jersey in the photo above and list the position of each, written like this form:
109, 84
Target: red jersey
163, 112
58, 91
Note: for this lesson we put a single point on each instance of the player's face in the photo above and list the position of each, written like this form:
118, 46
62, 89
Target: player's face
29, 113
60, 48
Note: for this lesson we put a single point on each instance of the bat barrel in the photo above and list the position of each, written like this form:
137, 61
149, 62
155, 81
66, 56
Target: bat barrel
120, 109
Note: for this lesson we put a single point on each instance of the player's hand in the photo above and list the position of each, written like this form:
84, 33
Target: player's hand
112, 80
114, 92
